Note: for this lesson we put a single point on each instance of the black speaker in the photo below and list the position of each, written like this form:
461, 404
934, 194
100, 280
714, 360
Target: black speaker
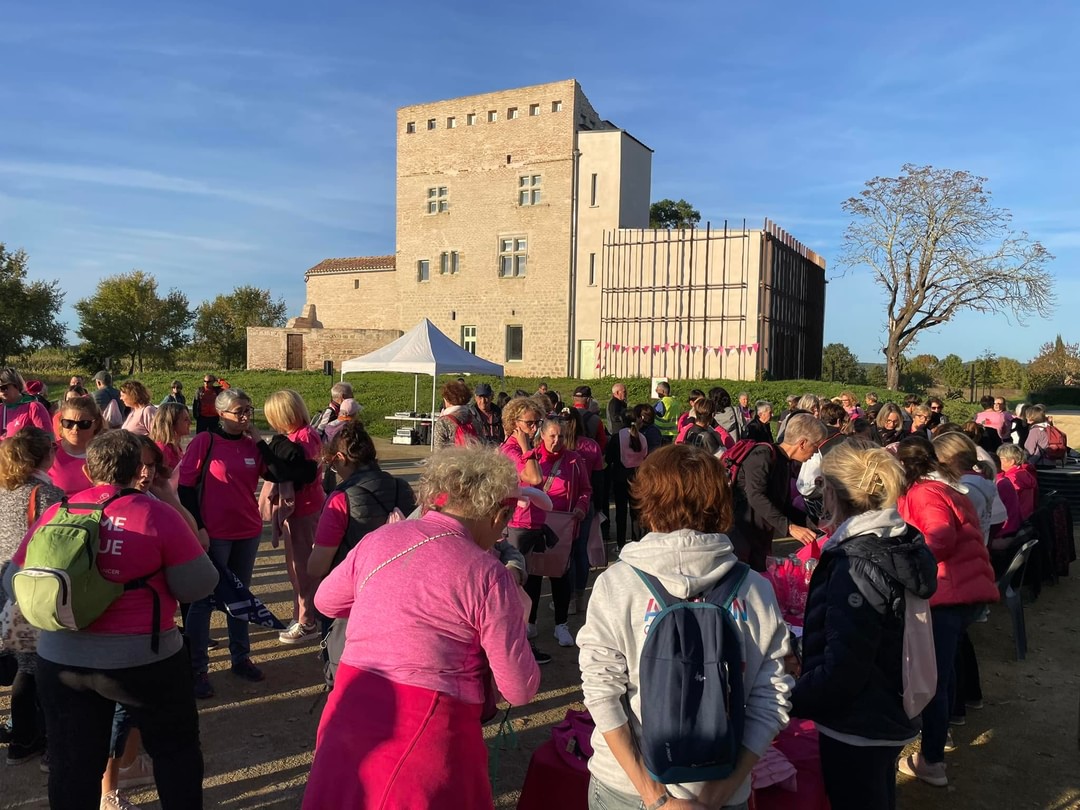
328, 368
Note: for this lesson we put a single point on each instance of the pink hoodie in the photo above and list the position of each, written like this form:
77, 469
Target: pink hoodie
439, 616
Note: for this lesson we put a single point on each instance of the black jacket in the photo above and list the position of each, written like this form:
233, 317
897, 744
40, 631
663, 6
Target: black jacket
372, 495
763, 509
853, 637
491, 432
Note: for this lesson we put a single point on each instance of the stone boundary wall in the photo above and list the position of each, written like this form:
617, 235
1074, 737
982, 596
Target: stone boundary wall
267, 346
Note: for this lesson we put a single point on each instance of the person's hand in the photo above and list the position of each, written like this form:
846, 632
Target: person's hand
579, 514
204, 539
802, 534
716, 794
684, 804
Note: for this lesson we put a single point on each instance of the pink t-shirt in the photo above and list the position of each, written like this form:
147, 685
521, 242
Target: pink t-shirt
309, 499
14, 418
170, 459
995, 420
439, 617
590, 453
139, 537
139, 420
230, 510
334, 521
67, 471
530, 516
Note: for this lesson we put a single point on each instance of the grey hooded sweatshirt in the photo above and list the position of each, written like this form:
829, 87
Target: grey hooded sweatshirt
688, 563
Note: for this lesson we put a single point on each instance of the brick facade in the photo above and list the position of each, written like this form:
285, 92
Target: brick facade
268, 346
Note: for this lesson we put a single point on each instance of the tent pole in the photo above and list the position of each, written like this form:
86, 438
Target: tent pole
432, 431
415, 389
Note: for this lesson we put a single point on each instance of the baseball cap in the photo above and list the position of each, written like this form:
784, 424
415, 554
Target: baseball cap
34, 387
483, 390
583, 391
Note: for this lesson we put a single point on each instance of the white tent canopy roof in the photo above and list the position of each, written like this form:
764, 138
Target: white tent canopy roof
423, 350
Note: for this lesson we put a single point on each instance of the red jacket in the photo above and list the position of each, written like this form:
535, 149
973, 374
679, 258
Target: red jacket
948, 521
1026, 485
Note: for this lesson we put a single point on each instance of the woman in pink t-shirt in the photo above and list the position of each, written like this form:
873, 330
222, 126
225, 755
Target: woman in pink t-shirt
434, 618
80, 421
17, 408
288, 415
135, 396
218, 477
171, 424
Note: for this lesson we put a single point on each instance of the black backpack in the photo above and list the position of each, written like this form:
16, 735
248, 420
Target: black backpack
691, 684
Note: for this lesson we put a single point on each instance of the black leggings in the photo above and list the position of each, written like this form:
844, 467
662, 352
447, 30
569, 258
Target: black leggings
27, 722
560, 594
859, 777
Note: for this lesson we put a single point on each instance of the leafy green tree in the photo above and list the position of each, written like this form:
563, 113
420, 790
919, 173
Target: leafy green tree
839, 364
28, 315
953, 372
126, 318
938, 247
1011, 373
1057, 363
221, 325
875, 375
669, 215
986, 369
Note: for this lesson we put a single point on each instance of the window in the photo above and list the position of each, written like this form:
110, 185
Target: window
529, 191
431, 123
592, 269
438, 200
512, 256
511, 114
493, 116
356, 284
513, 343
534, 109
423, 270
410, 127
448, 262
556, 106
468, 338
451, 122
592, 192
470, 119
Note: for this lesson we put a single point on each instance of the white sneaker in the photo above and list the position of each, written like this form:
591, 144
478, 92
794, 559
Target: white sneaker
562, 635
530, 631
138, 773
299, 633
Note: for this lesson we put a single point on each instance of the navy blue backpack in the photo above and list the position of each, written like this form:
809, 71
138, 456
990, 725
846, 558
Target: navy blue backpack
691, 684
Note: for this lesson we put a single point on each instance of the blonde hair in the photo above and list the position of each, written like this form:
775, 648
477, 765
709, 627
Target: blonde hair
21, 454
861, 477
472, 482
163, 428
956, 451
285, 411
513, 410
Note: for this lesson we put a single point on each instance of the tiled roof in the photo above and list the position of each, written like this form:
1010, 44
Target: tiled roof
356, 264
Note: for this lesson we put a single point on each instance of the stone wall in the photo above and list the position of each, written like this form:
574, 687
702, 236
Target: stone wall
266, 346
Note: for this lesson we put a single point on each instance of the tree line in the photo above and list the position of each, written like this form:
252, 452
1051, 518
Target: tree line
128, 322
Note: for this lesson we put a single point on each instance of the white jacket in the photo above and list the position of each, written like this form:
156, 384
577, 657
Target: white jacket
621, 608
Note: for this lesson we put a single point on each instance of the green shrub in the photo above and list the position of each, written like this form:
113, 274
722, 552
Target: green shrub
1058, 395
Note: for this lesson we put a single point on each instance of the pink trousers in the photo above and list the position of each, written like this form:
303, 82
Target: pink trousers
298, 544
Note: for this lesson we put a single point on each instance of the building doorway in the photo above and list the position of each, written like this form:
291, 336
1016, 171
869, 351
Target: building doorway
586, 360
294, 352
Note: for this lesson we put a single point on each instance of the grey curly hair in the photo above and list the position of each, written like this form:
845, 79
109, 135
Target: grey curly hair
474, 480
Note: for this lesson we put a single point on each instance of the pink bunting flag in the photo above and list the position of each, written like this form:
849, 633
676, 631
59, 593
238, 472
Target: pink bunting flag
742, 348
634, 349
667, 346
607, 345
754, 347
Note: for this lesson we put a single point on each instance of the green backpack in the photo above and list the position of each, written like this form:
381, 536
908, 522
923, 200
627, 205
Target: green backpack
59, 586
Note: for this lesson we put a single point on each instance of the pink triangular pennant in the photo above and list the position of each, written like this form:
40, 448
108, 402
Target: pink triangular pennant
742, 348
754, 347
634, 349
607, 345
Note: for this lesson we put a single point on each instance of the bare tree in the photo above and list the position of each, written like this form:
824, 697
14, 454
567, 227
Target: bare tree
938, 246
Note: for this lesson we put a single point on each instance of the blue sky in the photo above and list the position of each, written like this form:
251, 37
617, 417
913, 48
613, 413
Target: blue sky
234, 143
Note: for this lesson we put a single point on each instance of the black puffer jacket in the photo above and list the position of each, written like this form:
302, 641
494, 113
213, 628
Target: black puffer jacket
372, 494
852, 680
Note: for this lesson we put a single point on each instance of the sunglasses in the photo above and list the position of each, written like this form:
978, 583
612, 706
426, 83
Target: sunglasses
529, 422
81, 424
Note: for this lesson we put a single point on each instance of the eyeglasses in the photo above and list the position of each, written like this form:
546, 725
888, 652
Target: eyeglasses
81, 424
529, 422
935, 408
242, 413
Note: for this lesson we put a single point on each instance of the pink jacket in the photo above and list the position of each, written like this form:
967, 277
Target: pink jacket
948, 521
439, 614
1025, 483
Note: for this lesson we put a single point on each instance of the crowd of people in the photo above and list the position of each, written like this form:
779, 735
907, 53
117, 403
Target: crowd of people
903, 509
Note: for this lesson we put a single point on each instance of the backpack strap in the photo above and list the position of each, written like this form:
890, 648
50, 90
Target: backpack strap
658, 591
724, 591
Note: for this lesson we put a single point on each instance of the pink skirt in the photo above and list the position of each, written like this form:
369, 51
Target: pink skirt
387, 746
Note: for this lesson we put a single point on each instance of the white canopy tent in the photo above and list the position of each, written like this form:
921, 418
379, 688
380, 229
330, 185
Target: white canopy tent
422, 350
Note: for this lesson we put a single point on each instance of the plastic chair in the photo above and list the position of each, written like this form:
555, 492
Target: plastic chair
1011, 596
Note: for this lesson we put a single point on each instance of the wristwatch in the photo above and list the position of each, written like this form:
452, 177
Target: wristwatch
659, 802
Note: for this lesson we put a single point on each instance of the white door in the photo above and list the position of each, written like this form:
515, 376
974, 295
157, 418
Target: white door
586, 354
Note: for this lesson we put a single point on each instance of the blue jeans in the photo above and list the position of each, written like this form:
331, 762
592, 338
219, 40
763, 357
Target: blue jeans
239, 557
602, 797
579, 553
950, 622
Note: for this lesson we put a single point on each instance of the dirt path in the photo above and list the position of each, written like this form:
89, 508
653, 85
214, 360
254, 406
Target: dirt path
1020, 751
